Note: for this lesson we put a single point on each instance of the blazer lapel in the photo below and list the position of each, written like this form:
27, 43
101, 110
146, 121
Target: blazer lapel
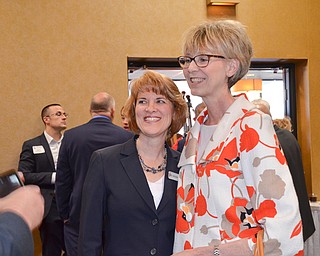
170, 186
47, 150
132, 167
234, 113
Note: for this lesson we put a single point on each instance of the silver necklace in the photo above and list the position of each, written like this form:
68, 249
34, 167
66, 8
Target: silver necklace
154, 170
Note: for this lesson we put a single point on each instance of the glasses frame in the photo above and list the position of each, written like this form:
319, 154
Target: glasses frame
184, 66
59, 114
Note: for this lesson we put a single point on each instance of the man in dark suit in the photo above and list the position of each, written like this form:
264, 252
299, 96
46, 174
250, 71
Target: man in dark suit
38, 161
291, 150
78, 145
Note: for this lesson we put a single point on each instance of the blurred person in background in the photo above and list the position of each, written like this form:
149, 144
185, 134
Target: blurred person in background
124, 120
76, 149
38, 163
284, 123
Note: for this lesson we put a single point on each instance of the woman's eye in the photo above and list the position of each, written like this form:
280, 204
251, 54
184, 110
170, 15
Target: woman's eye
141, 101
162, 101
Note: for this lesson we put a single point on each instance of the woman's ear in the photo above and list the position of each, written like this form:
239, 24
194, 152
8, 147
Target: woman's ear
233, 66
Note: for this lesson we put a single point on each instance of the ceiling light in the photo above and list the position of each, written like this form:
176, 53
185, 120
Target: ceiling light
222, 3
245, 85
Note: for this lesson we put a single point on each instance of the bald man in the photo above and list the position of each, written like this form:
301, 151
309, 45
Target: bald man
291, 150
74, 157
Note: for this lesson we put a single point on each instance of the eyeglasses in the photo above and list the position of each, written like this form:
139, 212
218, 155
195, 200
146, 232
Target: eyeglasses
201, 60
59, 113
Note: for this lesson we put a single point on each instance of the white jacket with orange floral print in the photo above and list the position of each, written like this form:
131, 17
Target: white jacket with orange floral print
240, 185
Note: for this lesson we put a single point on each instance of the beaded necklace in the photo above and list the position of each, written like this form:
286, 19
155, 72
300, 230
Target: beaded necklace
154, 170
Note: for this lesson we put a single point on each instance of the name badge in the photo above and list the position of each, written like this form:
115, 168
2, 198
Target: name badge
173, 176
38, 149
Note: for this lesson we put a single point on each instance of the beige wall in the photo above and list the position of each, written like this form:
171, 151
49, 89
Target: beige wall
66, 51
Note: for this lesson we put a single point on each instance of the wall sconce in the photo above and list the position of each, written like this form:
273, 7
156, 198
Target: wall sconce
246, 85
221, 9
222, 3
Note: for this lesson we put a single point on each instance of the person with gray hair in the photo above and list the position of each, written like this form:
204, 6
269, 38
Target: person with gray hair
291, 149
74, 157
234, 184
263, 105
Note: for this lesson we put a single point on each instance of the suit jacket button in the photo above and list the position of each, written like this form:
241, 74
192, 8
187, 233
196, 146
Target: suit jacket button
153, 251
154, 222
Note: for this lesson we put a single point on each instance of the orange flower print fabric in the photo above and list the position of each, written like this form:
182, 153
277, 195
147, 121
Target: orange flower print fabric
238, 186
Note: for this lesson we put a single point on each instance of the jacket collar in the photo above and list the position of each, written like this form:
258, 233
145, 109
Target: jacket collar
237, 109
44, 143
131, 164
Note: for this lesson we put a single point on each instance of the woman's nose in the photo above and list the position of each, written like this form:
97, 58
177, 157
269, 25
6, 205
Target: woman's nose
150, 107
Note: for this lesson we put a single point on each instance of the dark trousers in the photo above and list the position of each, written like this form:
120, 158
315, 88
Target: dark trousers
71, 235
51, 233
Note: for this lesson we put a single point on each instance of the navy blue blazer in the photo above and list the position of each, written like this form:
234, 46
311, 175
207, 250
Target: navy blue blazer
74, 156
118, 213
15, 236
36, 163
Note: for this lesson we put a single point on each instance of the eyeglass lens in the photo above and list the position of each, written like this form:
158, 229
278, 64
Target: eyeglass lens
200, 60
59, 113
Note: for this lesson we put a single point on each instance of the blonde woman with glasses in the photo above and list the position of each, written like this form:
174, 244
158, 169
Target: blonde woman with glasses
234, 180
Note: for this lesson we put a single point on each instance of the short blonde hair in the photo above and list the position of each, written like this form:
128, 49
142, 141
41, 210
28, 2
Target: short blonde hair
226, 37
152, 81
284, 123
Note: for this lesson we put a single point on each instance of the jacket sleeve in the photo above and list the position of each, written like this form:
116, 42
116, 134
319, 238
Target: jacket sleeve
15, 236
28, 164
268, 178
